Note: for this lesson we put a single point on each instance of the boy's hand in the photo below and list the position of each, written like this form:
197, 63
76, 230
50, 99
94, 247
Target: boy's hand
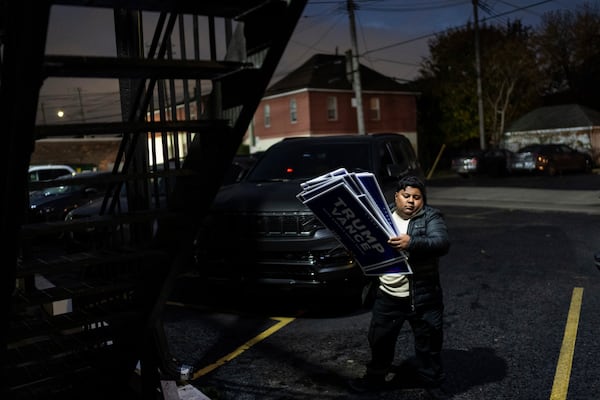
400, 242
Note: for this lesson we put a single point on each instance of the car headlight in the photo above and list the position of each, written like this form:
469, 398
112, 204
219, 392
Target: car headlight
43, 210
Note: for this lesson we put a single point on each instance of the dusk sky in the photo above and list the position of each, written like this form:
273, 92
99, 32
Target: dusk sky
392, 36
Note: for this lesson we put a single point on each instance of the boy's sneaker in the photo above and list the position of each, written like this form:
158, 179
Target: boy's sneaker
437, 393
407, 377
368, 384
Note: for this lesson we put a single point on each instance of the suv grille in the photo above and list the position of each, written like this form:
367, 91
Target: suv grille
272, 224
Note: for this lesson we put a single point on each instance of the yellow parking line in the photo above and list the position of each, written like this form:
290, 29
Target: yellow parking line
263, 335
565, 359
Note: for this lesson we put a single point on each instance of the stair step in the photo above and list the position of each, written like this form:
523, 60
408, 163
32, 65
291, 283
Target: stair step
84, 260
42, 324
63, 365
59, 293
223, 8
141, 127
44, 350
139, 68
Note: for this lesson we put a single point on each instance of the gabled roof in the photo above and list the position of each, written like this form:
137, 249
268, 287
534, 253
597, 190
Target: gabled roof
556, 117
325, 71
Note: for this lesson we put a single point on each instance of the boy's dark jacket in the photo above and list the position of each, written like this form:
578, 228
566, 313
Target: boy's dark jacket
429, 241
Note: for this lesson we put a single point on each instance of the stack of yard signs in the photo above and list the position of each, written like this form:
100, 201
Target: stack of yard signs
352, 206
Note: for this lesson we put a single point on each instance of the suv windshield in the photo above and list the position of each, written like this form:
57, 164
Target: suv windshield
532, 148
298, 160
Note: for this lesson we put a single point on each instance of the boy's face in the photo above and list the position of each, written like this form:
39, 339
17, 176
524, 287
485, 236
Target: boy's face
408, 201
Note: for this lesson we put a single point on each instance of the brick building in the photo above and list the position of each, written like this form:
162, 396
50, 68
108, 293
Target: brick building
318, 99
315, 99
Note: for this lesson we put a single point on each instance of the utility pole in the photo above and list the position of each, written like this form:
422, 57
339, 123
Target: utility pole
43, 109
478, 73
356, 70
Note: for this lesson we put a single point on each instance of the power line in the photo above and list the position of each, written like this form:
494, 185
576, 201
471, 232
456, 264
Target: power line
460, 26
420, 6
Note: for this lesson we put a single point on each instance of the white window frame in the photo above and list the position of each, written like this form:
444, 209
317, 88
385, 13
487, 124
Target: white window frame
293, 111
267, 115
374, 109
332, 108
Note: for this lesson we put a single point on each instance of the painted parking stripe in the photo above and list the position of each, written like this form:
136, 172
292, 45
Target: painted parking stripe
258, 338
565, 359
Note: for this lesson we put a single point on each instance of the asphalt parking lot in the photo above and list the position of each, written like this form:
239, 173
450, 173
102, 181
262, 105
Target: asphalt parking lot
516, 267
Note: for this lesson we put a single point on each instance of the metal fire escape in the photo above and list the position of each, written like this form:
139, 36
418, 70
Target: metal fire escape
197, 105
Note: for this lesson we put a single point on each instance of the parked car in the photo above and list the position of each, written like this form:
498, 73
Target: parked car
597, 260
63, 194
92, 236
492, 162
158, 192
48, 171
107, 204
551, 159
258, 233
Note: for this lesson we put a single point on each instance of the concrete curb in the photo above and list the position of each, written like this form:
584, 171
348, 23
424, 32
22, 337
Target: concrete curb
580, 201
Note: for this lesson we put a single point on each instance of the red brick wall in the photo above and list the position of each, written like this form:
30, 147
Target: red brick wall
398, 114
346, 121
281, 124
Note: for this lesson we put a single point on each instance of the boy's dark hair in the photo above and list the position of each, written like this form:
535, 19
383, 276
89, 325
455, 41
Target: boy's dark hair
412, 181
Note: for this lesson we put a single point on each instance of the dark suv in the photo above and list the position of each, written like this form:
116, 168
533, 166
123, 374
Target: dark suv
258, 232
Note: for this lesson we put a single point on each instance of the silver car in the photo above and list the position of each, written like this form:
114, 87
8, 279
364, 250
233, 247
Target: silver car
491, 162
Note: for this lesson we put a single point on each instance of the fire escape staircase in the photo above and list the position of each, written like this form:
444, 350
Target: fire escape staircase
85, 322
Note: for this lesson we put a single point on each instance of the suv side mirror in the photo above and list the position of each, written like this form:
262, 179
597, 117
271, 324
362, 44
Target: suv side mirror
394, 170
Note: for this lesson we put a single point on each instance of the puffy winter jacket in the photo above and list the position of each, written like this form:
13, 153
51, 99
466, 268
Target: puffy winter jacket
429, 240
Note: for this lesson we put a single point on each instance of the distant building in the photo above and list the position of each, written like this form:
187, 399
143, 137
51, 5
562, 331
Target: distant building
315, 99
318, 99
571, 124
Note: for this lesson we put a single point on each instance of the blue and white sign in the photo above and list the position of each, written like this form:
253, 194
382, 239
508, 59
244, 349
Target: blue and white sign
353, 207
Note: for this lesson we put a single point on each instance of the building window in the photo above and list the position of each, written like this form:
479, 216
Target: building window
374, 109
267, 116
293, 111
332, 112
